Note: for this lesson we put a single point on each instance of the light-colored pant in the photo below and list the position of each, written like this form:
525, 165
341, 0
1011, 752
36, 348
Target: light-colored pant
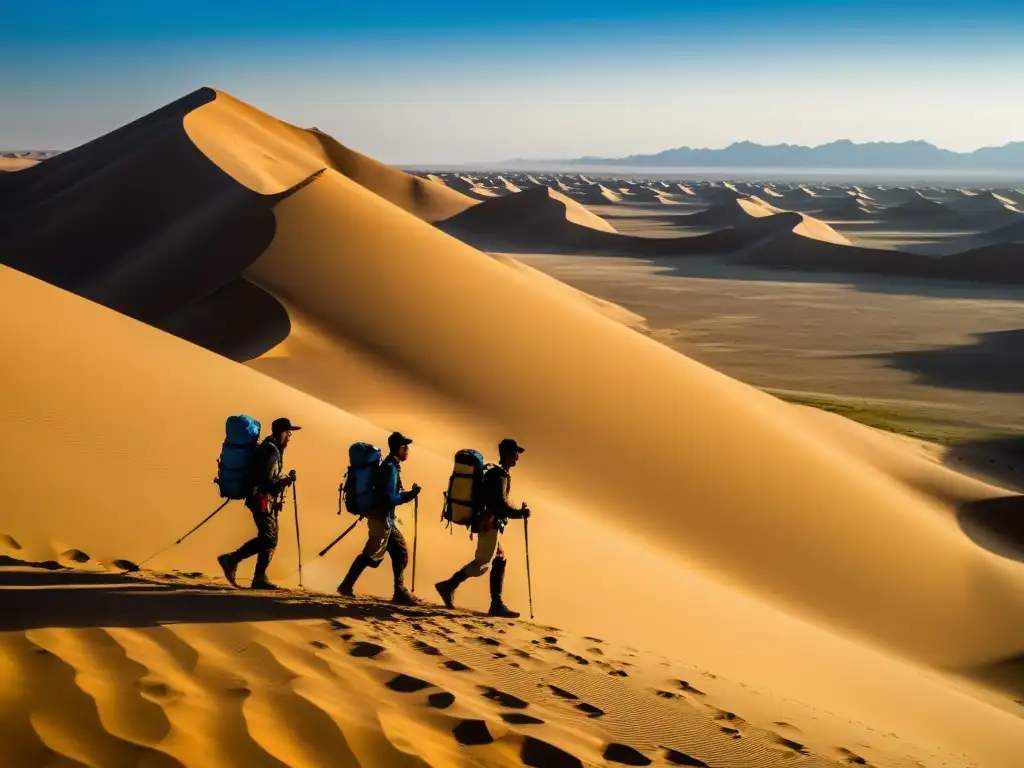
488, 547
378, 535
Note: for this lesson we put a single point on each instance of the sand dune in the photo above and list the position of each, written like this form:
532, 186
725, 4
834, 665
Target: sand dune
676, 506
743, 212
594, 194
923, 212
533, 210
534, 220
1010, 233
8, 164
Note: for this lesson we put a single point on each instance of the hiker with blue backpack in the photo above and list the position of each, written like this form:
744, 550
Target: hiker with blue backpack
373, 491
261, 482
478, 497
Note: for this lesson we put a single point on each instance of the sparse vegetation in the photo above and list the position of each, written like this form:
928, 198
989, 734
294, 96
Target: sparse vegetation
885, 417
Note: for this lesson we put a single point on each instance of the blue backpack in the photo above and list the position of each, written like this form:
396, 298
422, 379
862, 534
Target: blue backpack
242, 435
357, 489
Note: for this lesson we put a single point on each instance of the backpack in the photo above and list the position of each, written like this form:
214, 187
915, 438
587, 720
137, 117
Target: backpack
357, 487
463, 501
242, 435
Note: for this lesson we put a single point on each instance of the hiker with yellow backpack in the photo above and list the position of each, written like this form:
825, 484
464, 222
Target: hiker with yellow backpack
478, 497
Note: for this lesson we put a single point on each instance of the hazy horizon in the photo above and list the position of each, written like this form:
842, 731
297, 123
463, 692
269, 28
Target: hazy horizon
463, 83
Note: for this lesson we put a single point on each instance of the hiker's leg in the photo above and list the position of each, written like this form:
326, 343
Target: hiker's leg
486, 549
377, 536
498, 565
399, 552
498, 607
373, 552
255, 545
268, 543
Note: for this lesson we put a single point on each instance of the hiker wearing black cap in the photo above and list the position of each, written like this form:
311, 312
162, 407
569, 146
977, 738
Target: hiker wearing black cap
496, 512
266, 484
384, 537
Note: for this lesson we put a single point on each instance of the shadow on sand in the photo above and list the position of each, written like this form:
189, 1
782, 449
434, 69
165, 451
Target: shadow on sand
31, 599
993, 363
996, 525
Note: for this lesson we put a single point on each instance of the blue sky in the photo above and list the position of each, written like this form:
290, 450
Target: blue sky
457, 81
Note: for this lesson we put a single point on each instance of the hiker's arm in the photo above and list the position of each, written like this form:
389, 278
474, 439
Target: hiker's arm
497, 499
391, 492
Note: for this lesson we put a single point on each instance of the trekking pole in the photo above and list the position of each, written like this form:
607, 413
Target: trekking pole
415, 537
205, 520
529, 582
348, 530
298, 541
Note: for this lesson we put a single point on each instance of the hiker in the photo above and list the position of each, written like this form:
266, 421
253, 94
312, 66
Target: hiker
488, 527
384, 537
265, 485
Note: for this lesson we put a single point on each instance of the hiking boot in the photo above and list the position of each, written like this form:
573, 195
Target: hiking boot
502, 611
229, 565
403, 596
262, 582
446, 589
346, 588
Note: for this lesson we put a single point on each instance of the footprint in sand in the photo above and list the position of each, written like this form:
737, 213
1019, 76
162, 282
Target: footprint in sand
505, 699
674, 757
338, 625
850, 757
690, 689
407, 684
366, 650
590, 710
75, 556
519, 718
562, 693
441, 700
457, 666
489, 640
796, 746
540, 754
318, 644
626, 755
472, 733
732, 717
9, 542
733, 732
422, 647
125, 565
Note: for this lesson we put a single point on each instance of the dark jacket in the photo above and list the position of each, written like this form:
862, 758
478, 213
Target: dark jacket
265, 468
388, 491
496, 485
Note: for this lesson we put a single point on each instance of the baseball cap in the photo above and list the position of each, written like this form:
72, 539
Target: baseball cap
283, 425
508, 445
397, 440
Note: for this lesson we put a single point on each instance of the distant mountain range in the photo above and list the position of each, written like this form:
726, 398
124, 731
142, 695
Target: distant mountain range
918, 155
